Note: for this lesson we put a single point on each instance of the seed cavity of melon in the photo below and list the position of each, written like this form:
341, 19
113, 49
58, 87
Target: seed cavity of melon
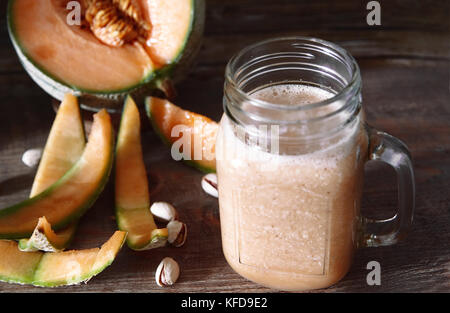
116, 22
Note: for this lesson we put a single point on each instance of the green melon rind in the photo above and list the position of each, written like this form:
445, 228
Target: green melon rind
194, 163
71, 217
20, 281
111, 98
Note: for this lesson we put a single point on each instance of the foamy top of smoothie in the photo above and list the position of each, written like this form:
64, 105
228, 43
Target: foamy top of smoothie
292, 94
328, 151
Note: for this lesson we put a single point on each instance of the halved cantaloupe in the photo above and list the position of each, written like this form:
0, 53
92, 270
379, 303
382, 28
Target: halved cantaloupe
67, 199
131, 190
64, 58
191, 134
59, 268
64, 147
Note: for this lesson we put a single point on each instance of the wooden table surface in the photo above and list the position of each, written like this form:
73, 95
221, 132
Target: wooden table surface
405, 66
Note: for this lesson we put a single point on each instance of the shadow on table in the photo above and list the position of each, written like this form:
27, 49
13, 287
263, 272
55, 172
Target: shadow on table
15, 184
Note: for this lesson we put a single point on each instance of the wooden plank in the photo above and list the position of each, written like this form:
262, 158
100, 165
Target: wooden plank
246, 16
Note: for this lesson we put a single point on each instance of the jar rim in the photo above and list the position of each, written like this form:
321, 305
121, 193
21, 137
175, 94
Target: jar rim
351, 85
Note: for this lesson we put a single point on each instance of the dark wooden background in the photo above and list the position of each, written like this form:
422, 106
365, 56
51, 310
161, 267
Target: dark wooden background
405, 65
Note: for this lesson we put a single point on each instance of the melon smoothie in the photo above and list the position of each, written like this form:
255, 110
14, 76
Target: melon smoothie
278, 211
290, 163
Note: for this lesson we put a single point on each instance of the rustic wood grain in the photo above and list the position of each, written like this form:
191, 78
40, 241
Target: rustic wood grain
405, 64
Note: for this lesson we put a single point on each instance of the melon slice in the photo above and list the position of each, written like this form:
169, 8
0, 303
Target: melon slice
132, 196
66, 200
191, 134
97, 72
59, 268
64, 147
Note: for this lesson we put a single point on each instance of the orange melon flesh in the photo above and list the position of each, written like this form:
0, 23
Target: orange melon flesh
164, 116
64, 147
170, 19
59, 268
131, 183
76, 58
67, 199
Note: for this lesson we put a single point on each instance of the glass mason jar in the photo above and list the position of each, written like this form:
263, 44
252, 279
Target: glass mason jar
290, 175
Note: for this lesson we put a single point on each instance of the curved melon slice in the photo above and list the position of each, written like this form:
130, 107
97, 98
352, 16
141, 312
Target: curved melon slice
192, 134
67, 199
64, 147
59, 268
132, 196
70, 59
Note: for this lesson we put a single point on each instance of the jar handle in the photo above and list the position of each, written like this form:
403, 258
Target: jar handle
386, 148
